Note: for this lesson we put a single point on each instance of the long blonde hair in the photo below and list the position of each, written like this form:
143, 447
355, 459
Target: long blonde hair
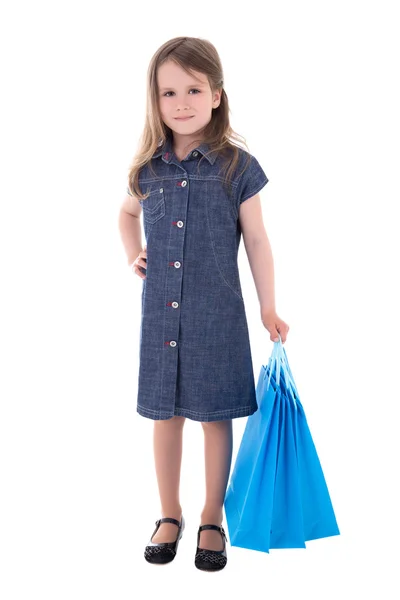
200, 55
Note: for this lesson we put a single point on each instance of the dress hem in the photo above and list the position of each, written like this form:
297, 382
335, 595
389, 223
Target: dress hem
219, 415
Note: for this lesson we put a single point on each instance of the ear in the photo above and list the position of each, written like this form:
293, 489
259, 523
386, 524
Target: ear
217, 98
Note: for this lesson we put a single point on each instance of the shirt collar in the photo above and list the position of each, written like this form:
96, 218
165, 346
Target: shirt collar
165, 150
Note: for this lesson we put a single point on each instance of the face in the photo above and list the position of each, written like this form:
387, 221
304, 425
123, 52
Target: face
184, 95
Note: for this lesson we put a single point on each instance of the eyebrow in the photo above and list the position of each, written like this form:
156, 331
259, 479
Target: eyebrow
202, 84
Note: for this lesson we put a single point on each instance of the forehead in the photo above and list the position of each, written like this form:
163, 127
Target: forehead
170, 73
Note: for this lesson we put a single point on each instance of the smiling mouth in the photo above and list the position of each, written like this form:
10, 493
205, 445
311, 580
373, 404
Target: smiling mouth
183, 118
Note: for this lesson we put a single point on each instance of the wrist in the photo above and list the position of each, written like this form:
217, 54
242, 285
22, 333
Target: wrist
268, 310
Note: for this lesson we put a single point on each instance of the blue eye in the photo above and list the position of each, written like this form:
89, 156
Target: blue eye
192, 89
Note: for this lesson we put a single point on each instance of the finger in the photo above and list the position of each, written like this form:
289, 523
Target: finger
141, 262
283, 330
274, 337
137, 271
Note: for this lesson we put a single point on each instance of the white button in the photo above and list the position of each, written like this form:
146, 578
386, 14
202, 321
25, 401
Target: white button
177, 264
180, 223
184, 183
175, 304
172, 343
195, 153
161, 190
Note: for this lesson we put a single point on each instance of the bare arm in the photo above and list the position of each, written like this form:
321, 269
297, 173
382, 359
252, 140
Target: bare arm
130, 227
261, 262
259, 252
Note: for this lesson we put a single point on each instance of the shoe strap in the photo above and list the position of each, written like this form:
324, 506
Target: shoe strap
168, 520
216, 527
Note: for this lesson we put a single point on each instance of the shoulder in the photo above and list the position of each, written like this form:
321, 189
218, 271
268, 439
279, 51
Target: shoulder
249, 177
247, 163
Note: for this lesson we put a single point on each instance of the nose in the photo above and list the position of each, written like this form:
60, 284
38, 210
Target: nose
182, 104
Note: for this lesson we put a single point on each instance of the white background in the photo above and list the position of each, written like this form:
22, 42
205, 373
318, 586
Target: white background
313, 87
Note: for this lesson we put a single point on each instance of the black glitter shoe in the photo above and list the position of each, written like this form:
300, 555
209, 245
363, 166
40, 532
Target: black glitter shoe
164, 552
210, 560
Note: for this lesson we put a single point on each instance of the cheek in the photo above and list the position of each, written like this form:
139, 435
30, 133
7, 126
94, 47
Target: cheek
162, 107
202, 103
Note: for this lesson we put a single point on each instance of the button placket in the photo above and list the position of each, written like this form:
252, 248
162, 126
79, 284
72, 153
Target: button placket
177, 264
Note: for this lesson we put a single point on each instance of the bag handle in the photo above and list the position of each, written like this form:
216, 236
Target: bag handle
288, 369
277, 361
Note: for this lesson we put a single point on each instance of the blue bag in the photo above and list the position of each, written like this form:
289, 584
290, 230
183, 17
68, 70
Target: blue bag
277, 496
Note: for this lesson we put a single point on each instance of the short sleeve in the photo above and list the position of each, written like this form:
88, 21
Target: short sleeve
251, 181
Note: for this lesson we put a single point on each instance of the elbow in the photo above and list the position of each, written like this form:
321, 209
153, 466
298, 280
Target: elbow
255, 239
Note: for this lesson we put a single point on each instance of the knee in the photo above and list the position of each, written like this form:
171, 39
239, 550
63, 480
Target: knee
177, 421
213, 425
175, 424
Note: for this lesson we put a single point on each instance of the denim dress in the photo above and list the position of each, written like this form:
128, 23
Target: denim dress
195, 356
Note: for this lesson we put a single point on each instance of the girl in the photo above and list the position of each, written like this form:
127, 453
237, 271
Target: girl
198, 191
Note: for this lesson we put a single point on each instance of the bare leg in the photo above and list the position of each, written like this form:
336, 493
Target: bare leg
167, 442
218, 456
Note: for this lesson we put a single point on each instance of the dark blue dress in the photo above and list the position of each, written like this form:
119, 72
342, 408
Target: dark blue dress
195, 357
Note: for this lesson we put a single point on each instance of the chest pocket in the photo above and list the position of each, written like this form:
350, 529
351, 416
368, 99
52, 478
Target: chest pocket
154, 205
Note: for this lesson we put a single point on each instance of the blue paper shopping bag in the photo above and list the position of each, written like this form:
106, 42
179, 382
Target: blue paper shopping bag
277, 495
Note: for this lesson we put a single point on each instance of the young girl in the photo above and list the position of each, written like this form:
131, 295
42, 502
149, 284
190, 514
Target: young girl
198, 191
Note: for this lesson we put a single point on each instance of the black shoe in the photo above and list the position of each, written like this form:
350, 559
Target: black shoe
164, 552
211, 560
